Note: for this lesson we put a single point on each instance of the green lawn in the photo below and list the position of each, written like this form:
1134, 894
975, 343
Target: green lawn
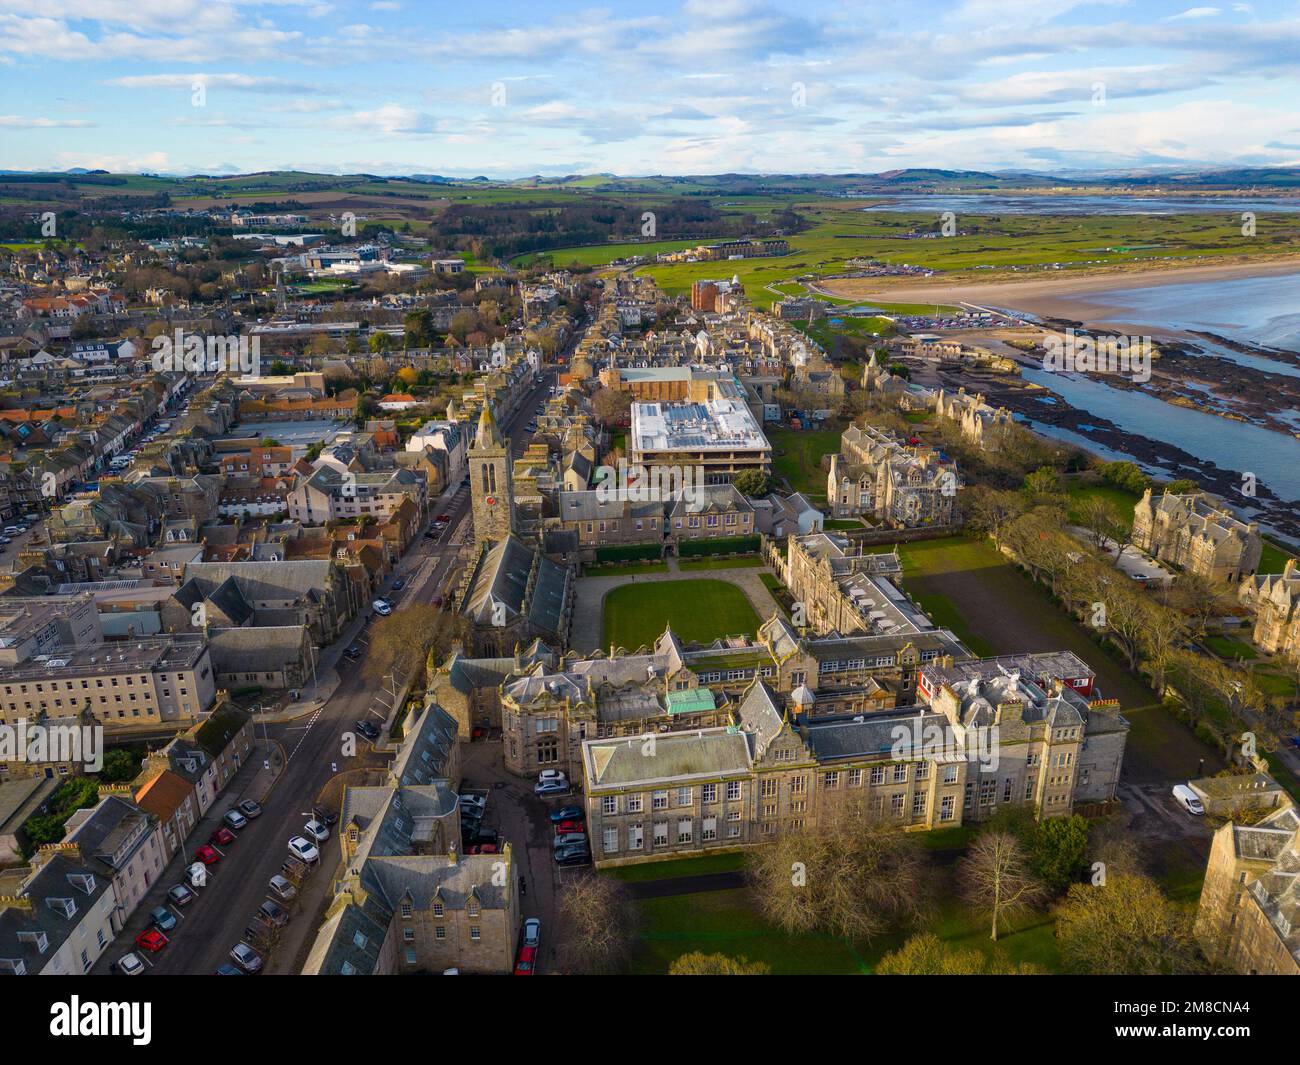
1227, 647
842, 523
616, 570
672, 868
1272, 558
968, 586
801, 460
703, 610
1118, 498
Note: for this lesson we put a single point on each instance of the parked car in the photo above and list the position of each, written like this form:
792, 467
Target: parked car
568, 813
130, 965
1188, 799
476, 802
551, 787
282, 888
303, 849
482, 848
207, 855
398, 585
368, 729
273, 912
527, 959
226, 969
532, 932
316, 830
573, 856
565, 827
381, 607
163, 919
234, 819
250, 808
180, 895
246, 958
550, 775
151, 940
222, 837
353, 653
569, 839
197, 875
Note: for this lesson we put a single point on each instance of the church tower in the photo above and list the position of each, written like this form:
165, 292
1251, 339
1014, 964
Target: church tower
491, 492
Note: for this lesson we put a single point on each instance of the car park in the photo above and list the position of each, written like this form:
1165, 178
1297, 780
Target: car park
532, 932
274, 913
151, 940
180, 895
208, 855
234, 819
303, 850
568, 813
246, 958
569, 839
316, 830
250, 808
282, 888
527, 959
130, 965
163, 919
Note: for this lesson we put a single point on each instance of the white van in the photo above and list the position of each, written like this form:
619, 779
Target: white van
1188, 800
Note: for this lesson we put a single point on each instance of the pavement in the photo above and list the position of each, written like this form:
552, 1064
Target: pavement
587, 632
300, 758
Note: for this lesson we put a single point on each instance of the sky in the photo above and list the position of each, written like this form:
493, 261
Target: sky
508, 88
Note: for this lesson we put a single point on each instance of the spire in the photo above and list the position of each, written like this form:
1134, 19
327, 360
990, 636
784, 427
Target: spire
488, 435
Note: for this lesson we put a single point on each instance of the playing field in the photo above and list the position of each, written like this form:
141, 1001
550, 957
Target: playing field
703, 610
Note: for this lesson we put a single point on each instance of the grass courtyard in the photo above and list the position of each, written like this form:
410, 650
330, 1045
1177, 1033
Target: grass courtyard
801, 460
703, 610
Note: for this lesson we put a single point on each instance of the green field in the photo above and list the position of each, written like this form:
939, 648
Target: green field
704, 610
967, 585
1122, 501
1272, 558
801, 458
692, 565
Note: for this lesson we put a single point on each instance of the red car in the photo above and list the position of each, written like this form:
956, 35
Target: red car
444, 517
222, 837
527, 959
483, 848
152, 940
561, 827
206, 855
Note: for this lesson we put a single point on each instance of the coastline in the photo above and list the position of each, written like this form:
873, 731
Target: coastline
1055, 296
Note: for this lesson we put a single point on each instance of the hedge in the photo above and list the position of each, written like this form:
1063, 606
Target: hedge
731, 545
628, 552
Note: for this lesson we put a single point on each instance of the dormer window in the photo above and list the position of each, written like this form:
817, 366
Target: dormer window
66, 907
41, 940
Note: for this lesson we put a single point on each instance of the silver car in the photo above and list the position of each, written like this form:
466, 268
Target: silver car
246, 958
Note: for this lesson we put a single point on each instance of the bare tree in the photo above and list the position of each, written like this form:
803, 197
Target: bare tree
598, 925
850, 875
1124, 926
997, 878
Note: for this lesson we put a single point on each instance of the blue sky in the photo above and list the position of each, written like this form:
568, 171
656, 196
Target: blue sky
507, 89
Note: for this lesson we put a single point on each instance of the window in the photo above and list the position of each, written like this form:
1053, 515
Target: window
733, 789
635, 837
474, 932
406, 909
635, 803
440, 931
945, 808
831, 780
659, 800
709, 828
900, 774
609, 840
684, 796
609, 804
408, 935
437, 909
855, 778
767, 787
918, 803
896, 805
709, 793
685, 830
877, 774
661, 834
950, 774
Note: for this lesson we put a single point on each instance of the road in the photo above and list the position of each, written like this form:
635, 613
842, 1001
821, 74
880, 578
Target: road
313, 753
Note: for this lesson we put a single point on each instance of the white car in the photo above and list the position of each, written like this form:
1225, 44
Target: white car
197, 875
532, 932
1188, 800
302, 848
548, 775
381, 608
130, 965
317, 831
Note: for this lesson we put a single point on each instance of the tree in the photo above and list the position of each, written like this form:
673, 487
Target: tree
611, 407
1060, 851
120, 765
598, 924
1101, 520
852, 875
997, 878
408, 638
697, 963
379, 343
752, 483
928, 955
1124, 926
1043, 485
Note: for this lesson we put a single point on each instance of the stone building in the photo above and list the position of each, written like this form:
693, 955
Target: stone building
902, 485
492, 497
1249, 914
1275, 600
1194, 533
980, 424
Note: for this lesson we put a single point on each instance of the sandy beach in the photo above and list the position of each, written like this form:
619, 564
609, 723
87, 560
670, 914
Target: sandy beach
1056, 296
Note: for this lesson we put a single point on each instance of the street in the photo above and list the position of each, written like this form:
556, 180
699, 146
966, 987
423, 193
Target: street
304, 755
